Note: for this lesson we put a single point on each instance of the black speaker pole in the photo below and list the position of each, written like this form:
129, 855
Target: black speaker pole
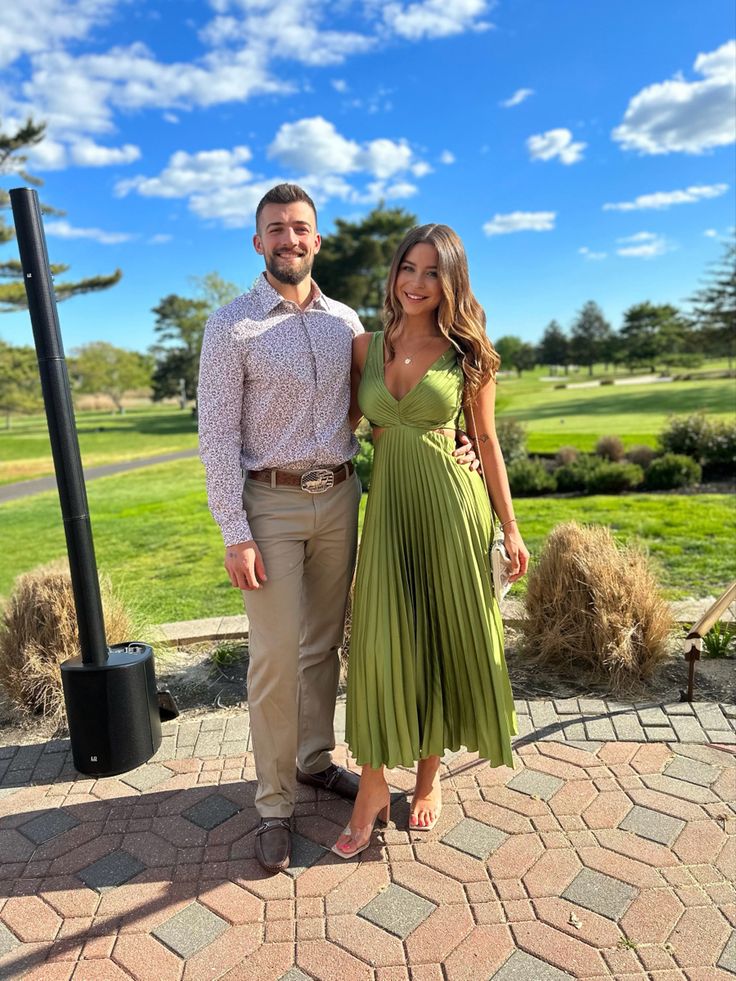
110, 693
62, 430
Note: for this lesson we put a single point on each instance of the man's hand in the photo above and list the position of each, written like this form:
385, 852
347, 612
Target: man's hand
244, 565
464, 453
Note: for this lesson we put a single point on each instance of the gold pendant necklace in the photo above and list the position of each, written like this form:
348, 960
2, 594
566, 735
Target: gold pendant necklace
410, 358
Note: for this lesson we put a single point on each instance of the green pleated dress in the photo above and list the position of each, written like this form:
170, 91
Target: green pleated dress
427, 671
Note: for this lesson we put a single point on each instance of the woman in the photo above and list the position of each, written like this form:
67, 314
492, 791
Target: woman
427, 671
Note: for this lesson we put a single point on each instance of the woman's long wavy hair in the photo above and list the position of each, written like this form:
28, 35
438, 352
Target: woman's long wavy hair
460, 317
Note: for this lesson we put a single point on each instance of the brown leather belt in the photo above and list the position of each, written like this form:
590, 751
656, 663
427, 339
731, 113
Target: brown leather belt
314, 481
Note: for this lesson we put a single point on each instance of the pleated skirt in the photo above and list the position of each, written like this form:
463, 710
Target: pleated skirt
427, 671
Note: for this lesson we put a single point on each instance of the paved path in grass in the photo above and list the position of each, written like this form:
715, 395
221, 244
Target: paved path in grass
591, 858
26, 488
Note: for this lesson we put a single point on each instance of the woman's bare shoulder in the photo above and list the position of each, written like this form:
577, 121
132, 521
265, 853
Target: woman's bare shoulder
361, 343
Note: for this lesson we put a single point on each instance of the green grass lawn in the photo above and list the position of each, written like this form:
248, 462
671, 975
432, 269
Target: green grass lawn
553, 417
104, 437
636, 413
154, 536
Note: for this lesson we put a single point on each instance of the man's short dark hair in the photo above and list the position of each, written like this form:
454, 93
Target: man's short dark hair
285, 194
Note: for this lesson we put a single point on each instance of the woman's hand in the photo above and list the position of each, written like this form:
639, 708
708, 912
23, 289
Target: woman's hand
518, 553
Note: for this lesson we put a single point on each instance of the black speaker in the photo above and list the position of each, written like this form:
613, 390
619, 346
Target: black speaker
112, 710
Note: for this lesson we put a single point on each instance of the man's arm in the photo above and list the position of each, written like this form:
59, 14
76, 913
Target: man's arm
220, 406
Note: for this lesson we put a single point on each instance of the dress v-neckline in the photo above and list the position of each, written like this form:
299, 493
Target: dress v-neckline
419, 381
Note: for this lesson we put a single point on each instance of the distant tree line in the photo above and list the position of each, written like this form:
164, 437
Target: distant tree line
352, 267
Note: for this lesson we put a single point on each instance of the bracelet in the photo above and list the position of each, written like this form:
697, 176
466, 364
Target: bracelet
511, 521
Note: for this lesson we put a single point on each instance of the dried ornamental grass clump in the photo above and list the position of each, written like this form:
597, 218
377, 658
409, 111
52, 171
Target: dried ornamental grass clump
39, 630
594, 609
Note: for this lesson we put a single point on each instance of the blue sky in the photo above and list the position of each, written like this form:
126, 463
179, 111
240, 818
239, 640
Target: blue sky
582, 150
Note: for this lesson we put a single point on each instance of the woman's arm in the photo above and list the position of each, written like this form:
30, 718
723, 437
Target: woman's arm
360, 352
481, 426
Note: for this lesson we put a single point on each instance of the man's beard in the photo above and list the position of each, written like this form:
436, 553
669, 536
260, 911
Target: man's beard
289, 273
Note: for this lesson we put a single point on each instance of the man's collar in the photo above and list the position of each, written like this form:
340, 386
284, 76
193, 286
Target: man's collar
269, 298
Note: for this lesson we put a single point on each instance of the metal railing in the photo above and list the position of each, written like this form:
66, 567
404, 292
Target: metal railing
694, 640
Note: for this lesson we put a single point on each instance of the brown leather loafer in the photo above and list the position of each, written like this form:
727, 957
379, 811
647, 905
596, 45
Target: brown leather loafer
273, 844
336, 779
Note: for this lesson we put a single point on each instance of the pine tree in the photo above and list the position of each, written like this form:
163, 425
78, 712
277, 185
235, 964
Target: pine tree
12, 165
353, 263
590, 336
714, 305
553, 347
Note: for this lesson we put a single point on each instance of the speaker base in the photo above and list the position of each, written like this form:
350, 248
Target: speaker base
112, 710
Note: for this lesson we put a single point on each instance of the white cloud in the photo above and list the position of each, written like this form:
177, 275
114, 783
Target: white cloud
381, 190
87, 153
339, 84
555, 143
421, 169
710, 233
446, 157
519, 96
436, 18
247, 48
219, 187
27, 29
160, 239
48, 155
190, 174
665, 199
271, 28
314, 145
62, 229
643, 245
678, 116
592, 256
521, 221
383, 157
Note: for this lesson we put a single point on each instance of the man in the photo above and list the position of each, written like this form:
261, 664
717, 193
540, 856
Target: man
274, 394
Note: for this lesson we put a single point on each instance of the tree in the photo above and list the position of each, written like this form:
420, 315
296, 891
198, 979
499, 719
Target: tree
590, 336
553, 347
12, 162
353, 263
113, 371
714, 305
180, 323
516, 353
508, 348
20, 385
650, 333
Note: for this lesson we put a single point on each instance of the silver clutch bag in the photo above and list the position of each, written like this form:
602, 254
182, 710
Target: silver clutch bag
500, 565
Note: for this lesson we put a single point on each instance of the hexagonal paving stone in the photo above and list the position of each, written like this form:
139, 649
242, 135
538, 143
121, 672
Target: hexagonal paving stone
683, 768
651, 824
727, 960
304, 854
523, 967
536, 784
397, 911
211, 811
474, 838
189, 930
48, 825
112, 870
600, 893
8, 940
146, 776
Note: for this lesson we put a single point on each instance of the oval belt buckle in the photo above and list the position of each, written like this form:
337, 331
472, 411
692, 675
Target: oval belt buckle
317, 481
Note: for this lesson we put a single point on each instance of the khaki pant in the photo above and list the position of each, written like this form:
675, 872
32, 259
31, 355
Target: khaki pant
308, 543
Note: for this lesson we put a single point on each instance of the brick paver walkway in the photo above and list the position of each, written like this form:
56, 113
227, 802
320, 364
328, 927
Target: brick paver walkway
590, 859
